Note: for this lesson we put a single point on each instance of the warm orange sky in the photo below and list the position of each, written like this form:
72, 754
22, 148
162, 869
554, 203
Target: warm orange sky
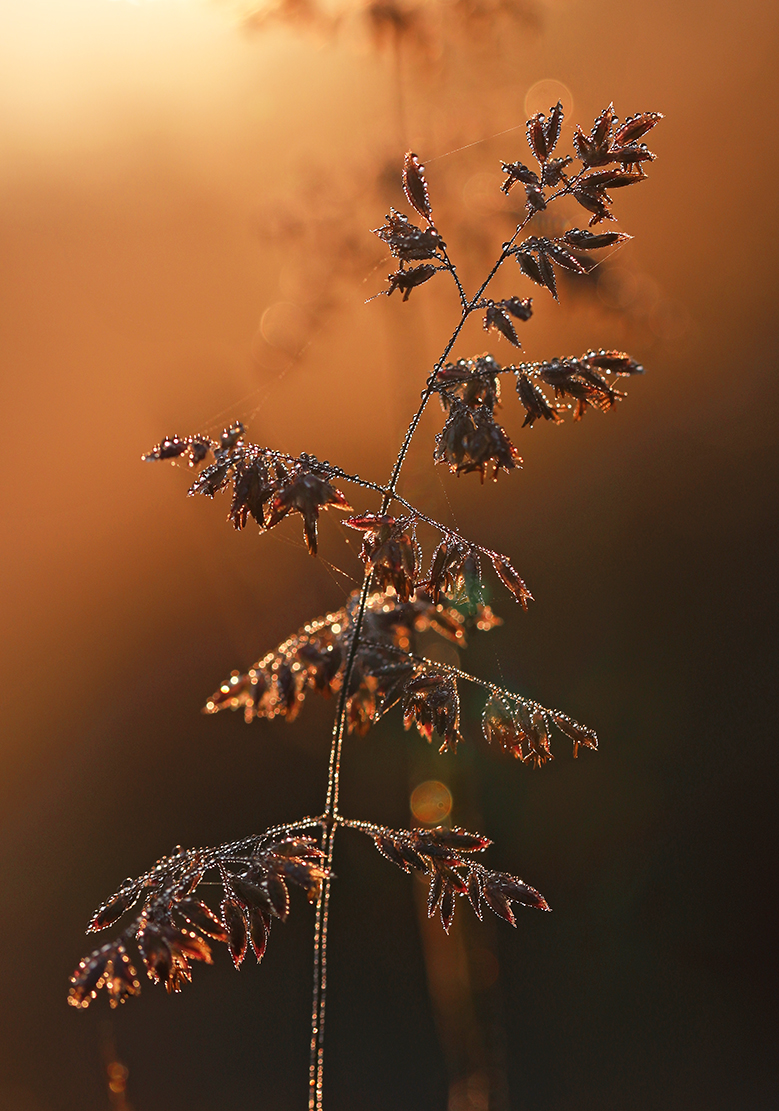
144, 146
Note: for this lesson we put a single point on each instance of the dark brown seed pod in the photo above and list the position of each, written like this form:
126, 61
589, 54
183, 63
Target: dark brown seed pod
499, 726
434, 892
585, 150
536, 136
236, 928
415, 186
202, 918
254, 486
497, 901
615, 362
547, 274
121, 979
431, 851
581, 735
278, 895
601, 129
113, 910
259, 929
458, 839
528, 264
554, 170
498, 320
231, 436
632, 155
296, 846
155, 952
533, 726
535, 402
552, 127
188, 945
447, 907
199, 447
554, 250
390, 850
411, 857
389, 550
611, 179
520, 892
214, 478
109, 968
453, 878
250, 894
536, 201
406, 280
511, 579
471, 440
635, 127
600, 179
474, 891
305, 874
408, 242
431, 702
515, 172
520, 307
439, 567
628, 179
305, 493
89, 977
596, 201
590, 241
169, 448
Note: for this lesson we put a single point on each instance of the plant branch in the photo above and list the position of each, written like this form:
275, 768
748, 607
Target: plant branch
316, 1063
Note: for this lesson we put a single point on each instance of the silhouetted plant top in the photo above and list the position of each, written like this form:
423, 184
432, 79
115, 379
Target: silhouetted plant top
367, 653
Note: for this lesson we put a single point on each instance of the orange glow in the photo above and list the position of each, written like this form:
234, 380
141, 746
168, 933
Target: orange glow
431, 802
117, 1077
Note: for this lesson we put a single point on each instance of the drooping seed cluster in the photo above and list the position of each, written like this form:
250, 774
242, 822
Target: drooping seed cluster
445, 856
388, 670
174, 927
267, 485
472, 440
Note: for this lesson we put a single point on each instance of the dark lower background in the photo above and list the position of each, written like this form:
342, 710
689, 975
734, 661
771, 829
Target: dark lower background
168, 179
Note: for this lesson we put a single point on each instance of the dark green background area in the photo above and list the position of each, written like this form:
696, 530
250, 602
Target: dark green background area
137, 272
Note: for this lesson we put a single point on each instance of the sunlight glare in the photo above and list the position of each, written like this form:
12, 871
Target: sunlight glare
431, 802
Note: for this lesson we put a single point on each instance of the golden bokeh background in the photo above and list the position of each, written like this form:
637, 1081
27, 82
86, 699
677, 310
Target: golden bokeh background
186, 195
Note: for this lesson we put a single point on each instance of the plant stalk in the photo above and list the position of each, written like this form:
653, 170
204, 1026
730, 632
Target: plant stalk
331, 818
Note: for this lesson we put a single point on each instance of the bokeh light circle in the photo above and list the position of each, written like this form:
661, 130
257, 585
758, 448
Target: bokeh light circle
545, 94
286, 326
431, 802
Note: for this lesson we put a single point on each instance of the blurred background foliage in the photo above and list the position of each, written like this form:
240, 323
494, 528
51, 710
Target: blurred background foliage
187, 192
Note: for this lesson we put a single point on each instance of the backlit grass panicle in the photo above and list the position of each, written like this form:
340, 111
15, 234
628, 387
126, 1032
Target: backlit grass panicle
367, 656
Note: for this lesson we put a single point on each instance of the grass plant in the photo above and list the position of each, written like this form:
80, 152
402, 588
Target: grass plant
366, 655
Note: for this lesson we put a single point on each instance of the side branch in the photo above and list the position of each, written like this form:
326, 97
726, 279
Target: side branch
446, 858
170, 930
430, 700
